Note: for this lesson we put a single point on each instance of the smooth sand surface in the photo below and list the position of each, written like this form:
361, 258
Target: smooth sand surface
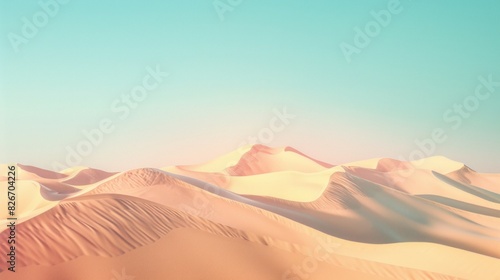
258, 213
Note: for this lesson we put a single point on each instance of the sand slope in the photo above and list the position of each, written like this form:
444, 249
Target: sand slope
258, 213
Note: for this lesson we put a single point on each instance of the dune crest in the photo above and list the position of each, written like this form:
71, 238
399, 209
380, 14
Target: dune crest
258, 213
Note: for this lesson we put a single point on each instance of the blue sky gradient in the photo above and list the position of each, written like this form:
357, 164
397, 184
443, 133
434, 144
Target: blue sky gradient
227, 76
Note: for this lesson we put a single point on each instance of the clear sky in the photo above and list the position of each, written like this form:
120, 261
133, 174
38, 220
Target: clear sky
358, 88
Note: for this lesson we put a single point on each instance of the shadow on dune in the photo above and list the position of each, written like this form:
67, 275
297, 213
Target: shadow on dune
479, 192
373, 215
462, 205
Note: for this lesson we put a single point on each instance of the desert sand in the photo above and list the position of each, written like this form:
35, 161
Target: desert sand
257, 213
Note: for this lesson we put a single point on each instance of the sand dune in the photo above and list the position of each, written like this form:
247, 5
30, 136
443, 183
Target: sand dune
87, 176
290, 185
355, 209
30, 201
186, 253
259, 159
27, 172
137, 221
133, 223
424, 182
467, 176
258, 213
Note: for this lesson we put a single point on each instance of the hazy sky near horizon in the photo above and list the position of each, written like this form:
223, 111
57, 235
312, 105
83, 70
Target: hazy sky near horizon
69, 69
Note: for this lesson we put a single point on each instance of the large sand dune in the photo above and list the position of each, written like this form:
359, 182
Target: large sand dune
257, 213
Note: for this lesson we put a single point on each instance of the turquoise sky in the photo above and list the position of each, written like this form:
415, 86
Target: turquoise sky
229, 71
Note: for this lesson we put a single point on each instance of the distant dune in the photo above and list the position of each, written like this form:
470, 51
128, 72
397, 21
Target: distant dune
257, 213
